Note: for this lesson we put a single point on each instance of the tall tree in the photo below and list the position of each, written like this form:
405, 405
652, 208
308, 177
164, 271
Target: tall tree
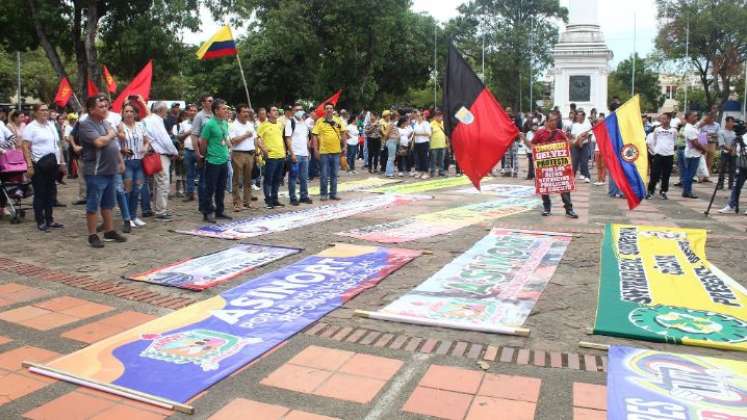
717, 41
620, 82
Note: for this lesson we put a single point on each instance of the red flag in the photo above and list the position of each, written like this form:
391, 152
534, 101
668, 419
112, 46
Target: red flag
92, 89
479, 127
319, 111
111, 84
64, 93
140, 85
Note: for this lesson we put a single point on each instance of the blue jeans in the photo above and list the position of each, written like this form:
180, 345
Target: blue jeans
202, 189
100, 193
329, 162
365, 153
681, 162
215, 188
313, 167
124, 206
691, 168
612, 189
190, 167
437, 161
303, 178
352, 155
391, 148
273, 173
134, 173
735, 192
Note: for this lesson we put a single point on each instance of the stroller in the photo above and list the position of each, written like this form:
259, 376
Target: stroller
13, 184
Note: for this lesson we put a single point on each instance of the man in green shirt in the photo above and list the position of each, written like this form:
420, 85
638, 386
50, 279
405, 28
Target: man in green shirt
214, 143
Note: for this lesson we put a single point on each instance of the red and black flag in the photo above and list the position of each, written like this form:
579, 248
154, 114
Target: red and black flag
479, 127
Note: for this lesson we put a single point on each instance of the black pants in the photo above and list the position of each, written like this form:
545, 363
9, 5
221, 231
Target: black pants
421, 156
374, 152
530, 168
383, 157
661, 169
580, 156
729, 163
404, 162
566, 197
45, 191
215, 188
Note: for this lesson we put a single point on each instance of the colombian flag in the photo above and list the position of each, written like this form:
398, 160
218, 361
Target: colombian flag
622, 142
220, 45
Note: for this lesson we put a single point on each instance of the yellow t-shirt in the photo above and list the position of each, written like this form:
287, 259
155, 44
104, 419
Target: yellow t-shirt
438, 135
272, 137
329, 136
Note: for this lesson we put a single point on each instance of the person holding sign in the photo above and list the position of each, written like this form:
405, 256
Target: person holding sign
552, 159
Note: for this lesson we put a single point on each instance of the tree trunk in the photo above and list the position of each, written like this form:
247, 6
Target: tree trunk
92, 23
51, 53
80, 51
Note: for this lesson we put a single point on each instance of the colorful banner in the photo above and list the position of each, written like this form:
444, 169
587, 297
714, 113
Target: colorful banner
423, 186
656, 284
491, 287
181, 354
208, 271
359, 185
648, 384
501, 190
440, 222
553, 169
278, 222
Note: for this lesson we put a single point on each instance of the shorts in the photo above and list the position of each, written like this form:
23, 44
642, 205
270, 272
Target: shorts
134, 171
100, 193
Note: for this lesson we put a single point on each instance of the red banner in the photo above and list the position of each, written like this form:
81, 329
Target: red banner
140, 85
92, 89
319, 111
553, 168
111, 85
64, 93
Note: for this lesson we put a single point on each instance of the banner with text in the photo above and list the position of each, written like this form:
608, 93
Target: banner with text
179, 355
349, 186
656, 284
423, 186
648, 384
278, 222
440, 222
492, 287
213, 269
553, 169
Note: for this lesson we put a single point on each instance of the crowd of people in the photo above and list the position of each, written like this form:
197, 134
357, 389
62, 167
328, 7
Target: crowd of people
132, 159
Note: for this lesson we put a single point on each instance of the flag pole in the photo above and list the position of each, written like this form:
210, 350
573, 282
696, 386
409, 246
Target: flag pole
243, 79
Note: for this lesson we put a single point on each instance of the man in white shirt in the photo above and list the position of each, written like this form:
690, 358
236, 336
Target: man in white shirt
661, 146
242, 134
710, 128
422, 139
161, 143
693, 152
296, 135
581, 146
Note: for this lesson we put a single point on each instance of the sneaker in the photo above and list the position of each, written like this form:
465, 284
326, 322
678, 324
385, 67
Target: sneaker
587, 180
425, 176
728, 209
126, 228
689, 195
55, 225
413, 174
164, 216
139, 222
572, 214
148, 214
269, 206
400, 174
42, 227
237, 209
294, 203
278, 204
113, 236
649, 196
545, 212
223, 216
335, 198
132, 224
323, 198
663, 196
255, 187
599, 184
94, 241
79, 202
208, 218
307, 201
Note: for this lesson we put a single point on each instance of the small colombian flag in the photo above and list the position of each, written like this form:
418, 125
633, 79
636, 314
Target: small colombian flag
221, 44
622, 142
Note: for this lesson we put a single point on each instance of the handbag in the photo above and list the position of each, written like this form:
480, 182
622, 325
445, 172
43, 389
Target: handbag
152, 164
13, 161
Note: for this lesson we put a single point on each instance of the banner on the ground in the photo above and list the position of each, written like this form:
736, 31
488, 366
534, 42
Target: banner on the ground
423, 186
648, 384
553, 169
350, 186
177, 356
278, 222
440, 222
501, 190
656, 284
492, 287
213, 269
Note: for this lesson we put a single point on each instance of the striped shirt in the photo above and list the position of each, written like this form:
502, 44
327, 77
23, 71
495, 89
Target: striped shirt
134, 141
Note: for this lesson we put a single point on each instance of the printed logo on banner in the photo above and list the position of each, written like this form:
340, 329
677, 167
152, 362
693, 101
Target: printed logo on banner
680, 323
630, 153
459, 310
204, 348
464, 116
172, 278
689, 380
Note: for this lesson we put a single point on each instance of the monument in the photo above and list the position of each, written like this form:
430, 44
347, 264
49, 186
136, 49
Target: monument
581, 61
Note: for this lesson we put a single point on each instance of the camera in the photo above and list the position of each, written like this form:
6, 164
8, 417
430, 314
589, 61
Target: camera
739, 128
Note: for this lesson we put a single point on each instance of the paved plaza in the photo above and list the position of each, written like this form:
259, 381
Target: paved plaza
57, 295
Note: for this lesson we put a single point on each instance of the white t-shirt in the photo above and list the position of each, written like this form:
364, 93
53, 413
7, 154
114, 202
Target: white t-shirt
691, 134
661, 141
299, 137
236, 129
185, 126
675, 123
578, 128
404, 136
711, 131
422, 132
44, 140
309, 123
5, 136
113, 118
352, 130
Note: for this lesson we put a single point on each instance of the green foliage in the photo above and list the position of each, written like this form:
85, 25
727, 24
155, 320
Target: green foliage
646, 83
37, 77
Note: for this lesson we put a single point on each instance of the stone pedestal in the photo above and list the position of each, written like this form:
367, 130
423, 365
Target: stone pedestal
581, 61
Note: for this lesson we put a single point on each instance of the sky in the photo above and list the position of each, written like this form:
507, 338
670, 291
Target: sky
615, 18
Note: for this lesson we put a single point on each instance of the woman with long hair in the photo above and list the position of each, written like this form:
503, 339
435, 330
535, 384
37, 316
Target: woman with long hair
41, 147
134, 143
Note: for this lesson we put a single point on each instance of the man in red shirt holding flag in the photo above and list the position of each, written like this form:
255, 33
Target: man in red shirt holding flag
550, 133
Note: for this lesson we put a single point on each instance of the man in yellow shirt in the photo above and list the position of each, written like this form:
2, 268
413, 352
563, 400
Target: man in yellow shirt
270, 143
328, 142
439, 144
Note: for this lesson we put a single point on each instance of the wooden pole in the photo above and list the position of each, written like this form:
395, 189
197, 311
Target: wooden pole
595, 346
498, 329
243, 79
